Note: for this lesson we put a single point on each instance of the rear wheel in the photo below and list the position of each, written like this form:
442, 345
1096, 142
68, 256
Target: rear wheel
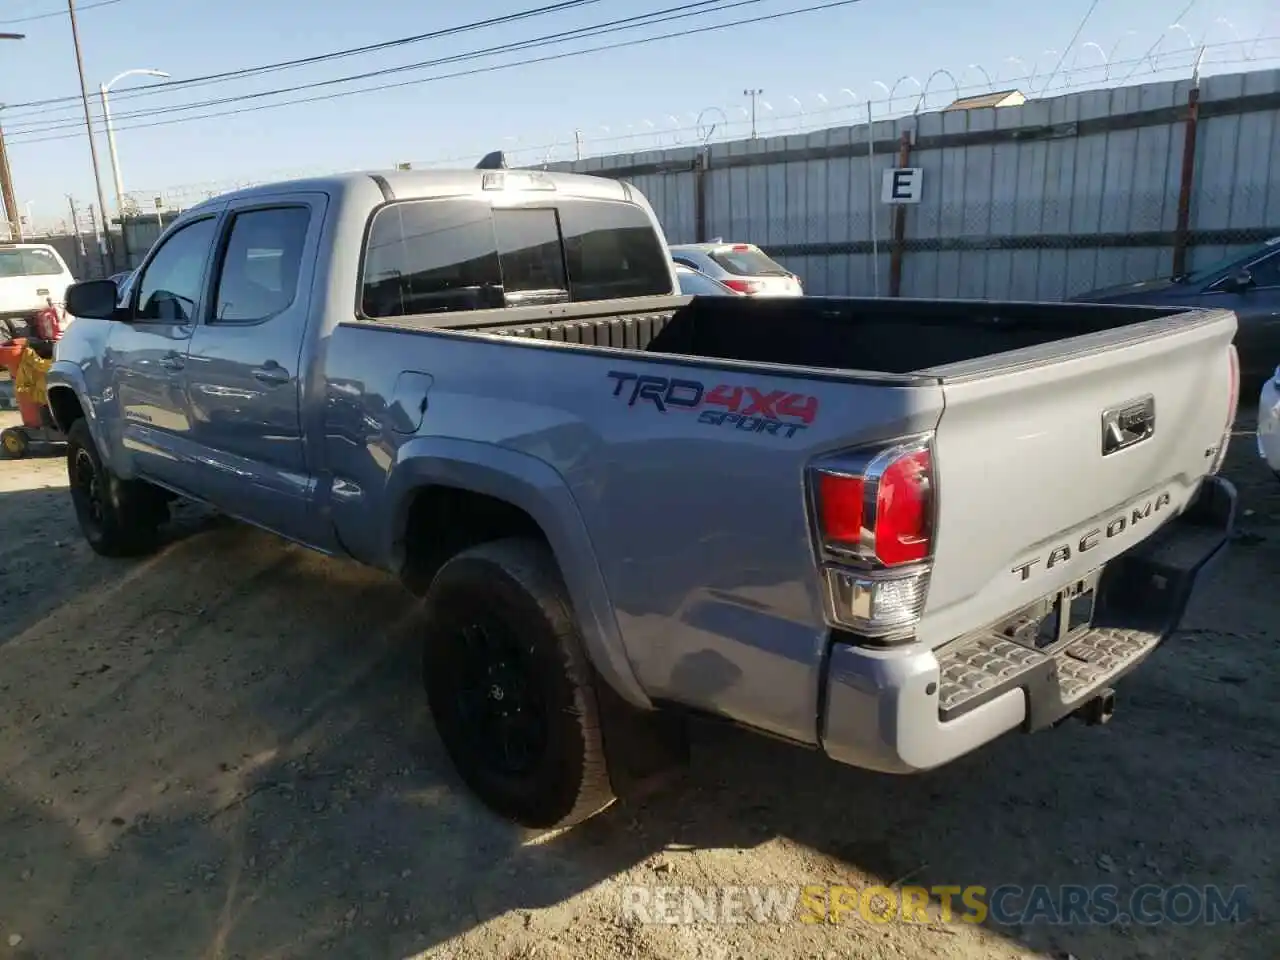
14, 442
118, 518
510, 688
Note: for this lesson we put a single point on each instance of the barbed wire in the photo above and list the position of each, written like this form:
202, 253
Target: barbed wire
728, 127
718, 124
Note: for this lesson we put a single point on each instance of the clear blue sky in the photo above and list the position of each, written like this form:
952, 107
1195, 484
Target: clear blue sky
823, 52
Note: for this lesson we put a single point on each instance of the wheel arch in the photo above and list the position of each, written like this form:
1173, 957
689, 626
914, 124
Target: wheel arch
69, 401
65, 406
513, 493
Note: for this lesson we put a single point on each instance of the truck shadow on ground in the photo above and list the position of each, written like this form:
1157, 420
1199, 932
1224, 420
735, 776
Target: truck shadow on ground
44, 561
224, 751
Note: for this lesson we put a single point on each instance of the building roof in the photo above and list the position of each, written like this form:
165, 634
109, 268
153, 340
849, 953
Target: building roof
1000, 98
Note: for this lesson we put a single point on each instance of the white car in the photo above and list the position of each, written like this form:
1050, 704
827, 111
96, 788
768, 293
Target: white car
31, 274
1269, 423
742, 267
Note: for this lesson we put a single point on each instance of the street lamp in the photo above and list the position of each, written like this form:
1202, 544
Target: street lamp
111, 134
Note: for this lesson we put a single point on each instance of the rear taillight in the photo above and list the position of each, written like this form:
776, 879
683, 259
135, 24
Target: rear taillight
747, 287
874, 515
1233, 405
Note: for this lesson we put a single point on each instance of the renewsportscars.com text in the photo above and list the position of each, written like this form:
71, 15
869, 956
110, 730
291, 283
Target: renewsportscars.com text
1006, 905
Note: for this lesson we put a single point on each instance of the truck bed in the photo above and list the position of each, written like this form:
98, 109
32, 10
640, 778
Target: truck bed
899, 337
1022, 393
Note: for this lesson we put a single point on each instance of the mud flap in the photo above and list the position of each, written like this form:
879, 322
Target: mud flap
644, 749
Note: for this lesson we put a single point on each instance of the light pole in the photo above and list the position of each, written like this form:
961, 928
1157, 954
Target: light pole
107, 250
753, 94
103, 91
6, 176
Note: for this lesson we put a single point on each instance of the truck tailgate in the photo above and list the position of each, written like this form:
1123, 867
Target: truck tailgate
1065, 456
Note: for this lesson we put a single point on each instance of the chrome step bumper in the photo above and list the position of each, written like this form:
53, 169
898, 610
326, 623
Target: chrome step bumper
902, 711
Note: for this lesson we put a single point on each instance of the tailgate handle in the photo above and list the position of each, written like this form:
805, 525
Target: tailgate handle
1128, 424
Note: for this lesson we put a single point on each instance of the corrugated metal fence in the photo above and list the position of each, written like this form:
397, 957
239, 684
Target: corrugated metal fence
1039, 201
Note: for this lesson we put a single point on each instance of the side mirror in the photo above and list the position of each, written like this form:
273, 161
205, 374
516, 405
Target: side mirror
1238, 282
93, 298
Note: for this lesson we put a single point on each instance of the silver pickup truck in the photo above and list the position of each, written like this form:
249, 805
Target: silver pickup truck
889, 530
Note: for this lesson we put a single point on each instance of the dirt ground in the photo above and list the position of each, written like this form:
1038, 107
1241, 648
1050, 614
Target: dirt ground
223, 751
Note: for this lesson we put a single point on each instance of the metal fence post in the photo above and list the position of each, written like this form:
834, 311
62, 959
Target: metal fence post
871, 198
899, 223
701, 161
1183, 229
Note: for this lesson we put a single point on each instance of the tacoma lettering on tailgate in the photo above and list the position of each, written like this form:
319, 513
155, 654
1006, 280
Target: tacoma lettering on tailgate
1116, 526
746, 408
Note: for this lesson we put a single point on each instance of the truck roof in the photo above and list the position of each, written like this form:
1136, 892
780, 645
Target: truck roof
419, 184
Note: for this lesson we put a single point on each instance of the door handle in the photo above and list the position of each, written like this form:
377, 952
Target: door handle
173, 361
271, 373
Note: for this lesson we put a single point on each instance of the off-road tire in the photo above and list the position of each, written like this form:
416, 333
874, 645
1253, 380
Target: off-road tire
119, 518
515, 585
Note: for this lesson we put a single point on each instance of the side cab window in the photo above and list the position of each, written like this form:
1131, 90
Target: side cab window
258, 274
169, 287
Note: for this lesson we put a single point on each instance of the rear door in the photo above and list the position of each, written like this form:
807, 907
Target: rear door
1067, 455
244, 366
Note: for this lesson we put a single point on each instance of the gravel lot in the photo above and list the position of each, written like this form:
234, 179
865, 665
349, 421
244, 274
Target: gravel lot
222, 751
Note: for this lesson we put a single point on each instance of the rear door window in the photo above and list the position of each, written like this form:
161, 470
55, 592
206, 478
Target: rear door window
259, 276
750, 262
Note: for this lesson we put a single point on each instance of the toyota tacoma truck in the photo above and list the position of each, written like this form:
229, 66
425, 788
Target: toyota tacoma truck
888, 530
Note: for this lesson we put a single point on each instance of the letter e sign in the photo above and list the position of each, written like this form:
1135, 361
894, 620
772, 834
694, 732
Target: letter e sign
901, 185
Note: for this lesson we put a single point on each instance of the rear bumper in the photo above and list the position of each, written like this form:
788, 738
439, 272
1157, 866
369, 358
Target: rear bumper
904, 711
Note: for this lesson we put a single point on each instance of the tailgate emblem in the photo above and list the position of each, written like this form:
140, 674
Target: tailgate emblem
1128, 424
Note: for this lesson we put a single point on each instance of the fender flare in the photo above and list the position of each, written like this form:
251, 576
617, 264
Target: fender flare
64, 375
539, 490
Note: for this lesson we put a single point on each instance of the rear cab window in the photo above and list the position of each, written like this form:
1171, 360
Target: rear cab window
747, 261
30, 262
448, 255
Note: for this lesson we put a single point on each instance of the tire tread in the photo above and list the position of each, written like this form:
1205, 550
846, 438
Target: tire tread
531, 566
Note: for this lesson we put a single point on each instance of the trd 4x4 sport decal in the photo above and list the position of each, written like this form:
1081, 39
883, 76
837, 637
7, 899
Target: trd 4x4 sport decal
747, 408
